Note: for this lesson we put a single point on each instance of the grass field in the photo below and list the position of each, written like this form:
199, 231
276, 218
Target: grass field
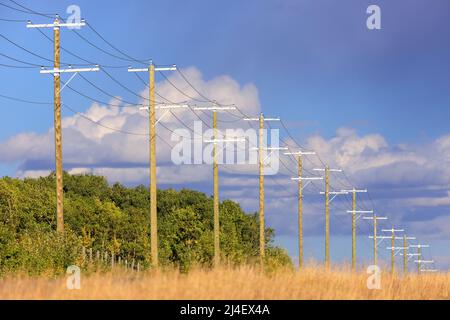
228, 283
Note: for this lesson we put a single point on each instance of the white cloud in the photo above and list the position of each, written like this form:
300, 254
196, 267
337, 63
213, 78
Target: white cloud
88, 147
411, 177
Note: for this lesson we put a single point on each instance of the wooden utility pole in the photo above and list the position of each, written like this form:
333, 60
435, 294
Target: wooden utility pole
58, 134
375, 218
216, 196
405, 255
375, 244
354, 212
262, 245
419, 260
405, 252
152, 156
152, 153
327, 194
393, 253
300, 212
261, 158
300, 186
215, 141
327, 217
56, 25
393, 248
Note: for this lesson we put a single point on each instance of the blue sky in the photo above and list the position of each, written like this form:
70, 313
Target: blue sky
313, 63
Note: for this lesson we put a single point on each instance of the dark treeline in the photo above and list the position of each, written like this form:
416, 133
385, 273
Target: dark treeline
115, 219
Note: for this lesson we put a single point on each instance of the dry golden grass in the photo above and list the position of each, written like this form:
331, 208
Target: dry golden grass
228, 283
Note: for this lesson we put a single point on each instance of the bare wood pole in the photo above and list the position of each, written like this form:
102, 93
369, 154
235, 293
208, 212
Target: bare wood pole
152, 149
405, 255
393, 253
393, 248
216, 196
354, 230
375, 219
419, 256
375, 257
300, 187
58, 133
152, 155
261, 155
216, 152
327, 193
262, 244
327, 217
56, 25
420, 262
354, 218
300, 213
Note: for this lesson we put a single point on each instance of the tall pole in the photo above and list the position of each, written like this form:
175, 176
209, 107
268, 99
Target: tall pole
58, 133
327, 217
300, 213
354, 230
216, 196
375, 257
56, 25
405, 255
393, 248
261, 148
419, 256
354, 218
261, 190
152, 153
327, 193
152, 149
375, 219
300, 186
216, 140
393, 253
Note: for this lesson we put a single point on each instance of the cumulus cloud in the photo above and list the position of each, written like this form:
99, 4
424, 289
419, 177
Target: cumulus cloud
113, 141
409, 183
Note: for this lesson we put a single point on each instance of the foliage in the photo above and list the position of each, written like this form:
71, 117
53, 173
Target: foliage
115, 219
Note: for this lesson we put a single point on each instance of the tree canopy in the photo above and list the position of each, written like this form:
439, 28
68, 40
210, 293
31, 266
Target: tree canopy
115, 219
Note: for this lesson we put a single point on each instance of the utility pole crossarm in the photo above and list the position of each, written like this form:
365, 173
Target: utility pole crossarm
300, 153
269, 148
167, 106
330, 170
172, 68
265, 119
375, 218
306, 178
215, 108
57, 24
69, 70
